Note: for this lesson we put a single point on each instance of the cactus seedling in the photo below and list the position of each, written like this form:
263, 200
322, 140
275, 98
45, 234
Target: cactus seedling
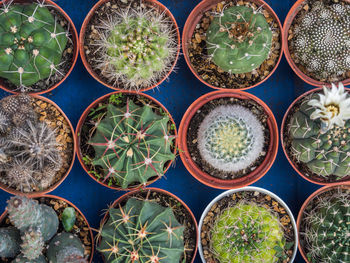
22, 259
9, 242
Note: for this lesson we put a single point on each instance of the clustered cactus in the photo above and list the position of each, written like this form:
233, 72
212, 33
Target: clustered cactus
32, 42
142, 231
239, 39
230, 138
322, 40
132, 144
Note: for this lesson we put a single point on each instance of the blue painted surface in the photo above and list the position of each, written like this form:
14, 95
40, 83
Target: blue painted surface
182, 88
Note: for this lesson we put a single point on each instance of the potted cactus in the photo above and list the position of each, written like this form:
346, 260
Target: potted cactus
232, 44
315, 135
49, 229
323, 225
137, 46
166, 230
38, 46
228, 139
316, 41
126, 140
37, 145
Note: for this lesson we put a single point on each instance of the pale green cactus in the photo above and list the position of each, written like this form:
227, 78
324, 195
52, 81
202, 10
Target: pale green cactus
9, 242
32, 244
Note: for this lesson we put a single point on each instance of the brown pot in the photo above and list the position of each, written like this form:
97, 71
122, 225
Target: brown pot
204, 177
75, 40
82, 43
82, 121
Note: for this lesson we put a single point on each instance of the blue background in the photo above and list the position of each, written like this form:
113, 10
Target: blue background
182, 88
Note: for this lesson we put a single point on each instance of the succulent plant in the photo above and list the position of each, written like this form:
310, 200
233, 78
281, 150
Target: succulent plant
22, 259
31, 45
230, 138
246, 233
239, 39
32, 244
141, 231
9, 242
68, 218
132, 144
20, 175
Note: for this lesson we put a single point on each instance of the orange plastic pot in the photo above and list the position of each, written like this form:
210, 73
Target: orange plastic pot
284, 126
194, 18
54, 186
72, 31
287, 24
204, 177
4, 215
126, 196
86, 23
82, 121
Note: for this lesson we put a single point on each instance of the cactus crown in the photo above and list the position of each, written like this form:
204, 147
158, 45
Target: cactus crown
230, 138
31, 43
142, 231
132, 144
239, 39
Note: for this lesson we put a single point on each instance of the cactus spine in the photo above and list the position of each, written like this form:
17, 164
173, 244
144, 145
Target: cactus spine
9, 242
32, 244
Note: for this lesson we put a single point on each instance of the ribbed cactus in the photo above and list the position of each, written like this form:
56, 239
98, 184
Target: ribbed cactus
246, 233
9, 242
230, 138
141, 231
132, 144
32, 42
32, 244
239, 39
22, 259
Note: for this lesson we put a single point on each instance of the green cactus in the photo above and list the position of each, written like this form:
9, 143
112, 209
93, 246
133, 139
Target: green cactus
239, 39
132, 144
32, 244
247, 233
9, 242
22, 259
31, 43
68, 218
142, 231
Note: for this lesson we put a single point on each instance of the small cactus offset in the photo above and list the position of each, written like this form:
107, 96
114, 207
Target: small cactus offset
239, 39
68, 218
141, 231
32, 244
9, 242
132, 144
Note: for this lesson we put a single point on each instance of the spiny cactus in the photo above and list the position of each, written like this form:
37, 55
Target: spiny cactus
141, 231
32, 43
22, 259
20, 175
9, 242
5, 150
246, 233
132, 144
230, 138
139, 47
32, 244
239, 39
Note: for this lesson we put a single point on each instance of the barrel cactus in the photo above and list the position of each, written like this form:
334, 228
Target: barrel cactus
142, 231
132, 144
239, 39
9, 242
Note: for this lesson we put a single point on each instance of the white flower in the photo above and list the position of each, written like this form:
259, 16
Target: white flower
333, 107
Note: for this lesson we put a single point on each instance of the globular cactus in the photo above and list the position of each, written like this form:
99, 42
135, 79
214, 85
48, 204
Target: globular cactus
230, 138
19, 175
246, 233
22, 259
5, 151
132, 144
32, 244
142, 231
9, 242
32, 43
239, 39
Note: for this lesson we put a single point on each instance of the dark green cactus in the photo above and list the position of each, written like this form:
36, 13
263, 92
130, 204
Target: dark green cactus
132, 144
68, 218
22, 259
9, 242
239, 39
32, 244
141, 231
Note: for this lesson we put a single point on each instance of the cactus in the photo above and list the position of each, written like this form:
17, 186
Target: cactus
142, 231
20, 176
22, 259
68, 218
32, 43
322, 40
132, 144
5, 150
32, 244
246, 233
9, 242
230, 138
239, 39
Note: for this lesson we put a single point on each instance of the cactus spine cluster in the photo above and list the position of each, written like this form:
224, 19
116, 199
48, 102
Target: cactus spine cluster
142, 231
239, 39
132, 144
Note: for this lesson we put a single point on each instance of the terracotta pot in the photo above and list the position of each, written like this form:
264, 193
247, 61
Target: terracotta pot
194, 18
82, 121
204, 177
4, 215
287, 24
306, 203
126, 196
75, 40
54, 186
82, 42
283, 127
